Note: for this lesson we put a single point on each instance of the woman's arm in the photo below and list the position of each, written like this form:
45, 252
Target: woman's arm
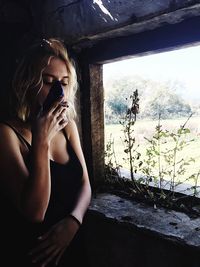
84, 197
60, 235
29, 189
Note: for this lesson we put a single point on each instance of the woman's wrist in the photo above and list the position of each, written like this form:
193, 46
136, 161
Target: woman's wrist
75, 219
39, 141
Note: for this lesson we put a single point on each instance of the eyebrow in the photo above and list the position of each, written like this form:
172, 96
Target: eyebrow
53, 76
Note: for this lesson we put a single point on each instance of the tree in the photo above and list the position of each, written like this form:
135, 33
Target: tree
167, 103
156, 97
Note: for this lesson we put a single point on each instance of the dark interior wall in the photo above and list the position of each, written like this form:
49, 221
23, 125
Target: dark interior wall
9, 36
15, 25
21, 22
112, 244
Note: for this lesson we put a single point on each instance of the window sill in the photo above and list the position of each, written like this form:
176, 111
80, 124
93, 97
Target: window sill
167, 224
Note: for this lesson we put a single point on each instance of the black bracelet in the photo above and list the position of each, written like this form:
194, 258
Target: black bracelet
75, 219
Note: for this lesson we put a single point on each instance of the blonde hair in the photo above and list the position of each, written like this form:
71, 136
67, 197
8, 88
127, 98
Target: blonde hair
27, 81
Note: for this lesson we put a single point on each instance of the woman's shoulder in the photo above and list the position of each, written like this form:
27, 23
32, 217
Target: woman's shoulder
71, 128
5, 127
7, 133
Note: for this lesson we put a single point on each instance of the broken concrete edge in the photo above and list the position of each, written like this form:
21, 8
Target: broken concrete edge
170, 225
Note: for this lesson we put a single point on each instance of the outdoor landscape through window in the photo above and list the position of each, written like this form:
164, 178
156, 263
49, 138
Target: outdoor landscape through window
166, 135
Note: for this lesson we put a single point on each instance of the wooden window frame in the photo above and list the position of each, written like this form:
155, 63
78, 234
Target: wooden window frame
91, 59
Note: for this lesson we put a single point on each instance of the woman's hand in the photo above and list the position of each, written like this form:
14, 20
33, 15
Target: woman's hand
48, 123
52, 244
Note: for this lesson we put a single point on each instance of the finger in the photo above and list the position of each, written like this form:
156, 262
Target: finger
56, 104
45, 254
51, 257
42, 245
62, 116
60, 111
44, 236
59, 256
38, 249
62, 106
63, 123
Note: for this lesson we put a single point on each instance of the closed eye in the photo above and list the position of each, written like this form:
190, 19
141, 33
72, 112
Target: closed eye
47, 82
64, 84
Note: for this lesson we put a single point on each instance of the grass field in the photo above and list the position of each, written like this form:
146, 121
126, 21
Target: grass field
146, 129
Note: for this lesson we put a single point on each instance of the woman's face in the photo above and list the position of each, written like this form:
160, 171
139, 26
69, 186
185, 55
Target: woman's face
56, 70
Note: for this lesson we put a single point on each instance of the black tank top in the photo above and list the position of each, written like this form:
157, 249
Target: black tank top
65, 185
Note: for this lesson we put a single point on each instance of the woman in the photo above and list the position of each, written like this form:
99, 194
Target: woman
45, 189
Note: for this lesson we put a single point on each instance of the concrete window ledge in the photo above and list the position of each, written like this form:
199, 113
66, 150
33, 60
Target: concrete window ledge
168, 224
124, 233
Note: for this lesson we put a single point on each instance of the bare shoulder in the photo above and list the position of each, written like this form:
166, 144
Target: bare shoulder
73, 135
71, 129
5, 131
8, 137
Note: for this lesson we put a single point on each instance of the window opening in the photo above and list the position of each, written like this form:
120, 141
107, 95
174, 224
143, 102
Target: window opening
169, 97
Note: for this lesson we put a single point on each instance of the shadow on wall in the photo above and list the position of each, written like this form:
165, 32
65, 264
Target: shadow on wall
13, 39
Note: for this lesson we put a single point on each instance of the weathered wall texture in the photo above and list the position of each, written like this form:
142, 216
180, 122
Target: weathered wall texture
77, 21
94, 19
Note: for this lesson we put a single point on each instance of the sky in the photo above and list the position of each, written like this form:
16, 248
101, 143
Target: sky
182, 64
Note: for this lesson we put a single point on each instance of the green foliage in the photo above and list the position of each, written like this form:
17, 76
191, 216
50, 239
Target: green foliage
158, 98
167, 103
161, 163
128, 123
112, 166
